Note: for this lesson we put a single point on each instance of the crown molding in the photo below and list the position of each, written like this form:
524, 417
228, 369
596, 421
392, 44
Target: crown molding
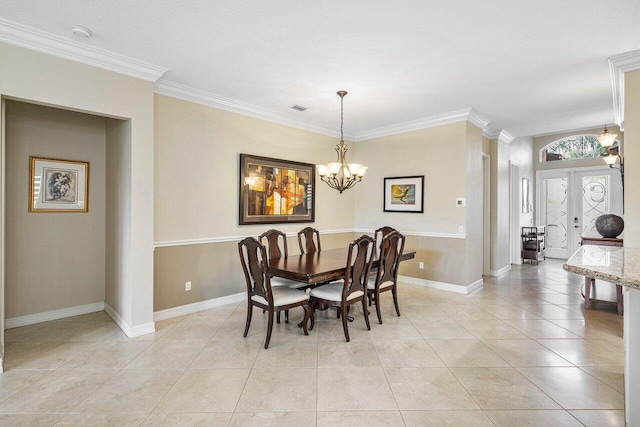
477, 119
618, 65
439, 120
197, 96
30, 38
491, 133
505, 137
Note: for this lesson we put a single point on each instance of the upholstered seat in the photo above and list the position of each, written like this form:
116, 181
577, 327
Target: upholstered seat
371, 284
260, 293
283, 296
349, 291
333, 292
272, 240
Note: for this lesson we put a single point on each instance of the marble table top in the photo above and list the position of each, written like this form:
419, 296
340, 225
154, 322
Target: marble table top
617, 265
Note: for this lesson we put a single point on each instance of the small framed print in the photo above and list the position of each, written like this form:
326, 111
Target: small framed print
404, 194
58, 185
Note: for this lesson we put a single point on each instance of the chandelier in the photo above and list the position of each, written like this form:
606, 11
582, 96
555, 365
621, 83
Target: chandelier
341, 175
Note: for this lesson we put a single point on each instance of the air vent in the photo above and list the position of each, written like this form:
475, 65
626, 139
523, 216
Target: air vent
298, 107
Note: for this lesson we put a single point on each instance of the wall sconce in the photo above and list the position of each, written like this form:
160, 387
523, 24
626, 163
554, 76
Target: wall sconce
607, 139
615, 159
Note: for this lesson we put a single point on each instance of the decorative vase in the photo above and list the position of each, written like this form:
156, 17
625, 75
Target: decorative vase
609, 225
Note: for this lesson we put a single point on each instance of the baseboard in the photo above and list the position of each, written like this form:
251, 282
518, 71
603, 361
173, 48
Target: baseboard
443, 286
130, 331
503, 270
199, 306
32, 319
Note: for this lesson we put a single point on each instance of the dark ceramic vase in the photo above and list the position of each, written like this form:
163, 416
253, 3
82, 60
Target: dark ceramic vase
609, 225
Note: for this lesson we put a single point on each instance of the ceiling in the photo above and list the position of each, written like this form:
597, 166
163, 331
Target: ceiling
529, 67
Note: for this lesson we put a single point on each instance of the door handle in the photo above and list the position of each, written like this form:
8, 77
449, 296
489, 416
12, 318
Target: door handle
552, 225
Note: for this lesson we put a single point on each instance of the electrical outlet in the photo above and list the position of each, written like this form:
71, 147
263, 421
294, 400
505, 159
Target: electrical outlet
461, 229
421, 265
187, 286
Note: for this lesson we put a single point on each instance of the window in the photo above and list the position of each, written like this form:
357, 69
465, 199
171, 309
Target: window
575, 147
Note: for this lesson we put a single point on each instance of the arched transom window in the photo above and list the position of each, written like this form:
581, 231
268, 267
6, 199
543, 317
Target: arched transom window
574, 147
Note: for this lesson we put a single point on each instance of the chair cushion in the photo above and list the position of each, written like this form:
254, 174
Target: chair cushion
371, 284
279, 281
283, 295
333, 292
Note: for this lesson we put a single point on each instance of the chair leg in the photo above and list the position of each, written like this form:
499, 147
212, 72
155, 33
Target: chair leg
286, 316
278, 317
394, 291
378, 308
366, 314
312, 315
304, 321
269, 329
249, 313
344, 322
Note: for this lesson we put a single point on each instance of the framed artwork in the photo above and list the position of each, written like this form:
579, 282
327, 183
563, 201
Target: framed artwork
58, 185
275, 191
526, 204
404, 194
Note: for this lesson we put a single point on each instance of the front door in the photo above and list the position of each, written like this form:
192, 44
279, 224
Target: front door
571, 201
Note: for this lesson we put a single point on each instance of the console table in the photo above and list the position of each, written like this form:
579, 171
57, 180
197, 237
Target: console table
605, 294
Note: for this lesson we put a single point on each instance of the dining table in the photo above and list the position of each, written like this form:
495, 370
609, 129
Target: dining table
319, 267
316, 268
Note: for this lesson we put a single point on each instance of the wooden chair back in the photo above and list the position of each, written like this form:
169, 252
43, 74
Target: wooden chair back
271, 239
309, 240
380, 234
359, 260
391, 248
253, 257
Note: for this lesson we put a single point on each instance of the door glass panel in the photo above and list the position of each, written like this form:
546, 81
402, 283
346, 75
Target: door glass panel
556, 212
595, 201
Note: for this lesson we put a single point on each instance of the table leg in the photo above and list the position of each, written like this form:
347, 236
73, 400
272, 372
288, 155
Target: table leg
619, 299
588, 281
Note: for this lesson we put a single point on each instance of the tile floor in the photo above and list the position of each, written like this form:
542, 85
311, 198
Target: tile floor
519, 352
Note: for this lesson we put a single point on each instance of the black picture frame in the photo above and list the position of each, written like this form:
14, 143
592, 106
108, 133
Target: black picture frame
275, 191
404, 194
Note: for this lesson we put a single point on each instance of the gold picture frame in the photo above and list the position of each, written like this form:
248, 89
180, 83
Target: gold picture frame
275, 191
58, 186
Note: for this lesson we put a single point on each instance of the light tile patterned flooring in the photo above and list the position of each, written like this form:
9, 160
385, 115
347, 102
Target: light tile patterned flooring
520, 352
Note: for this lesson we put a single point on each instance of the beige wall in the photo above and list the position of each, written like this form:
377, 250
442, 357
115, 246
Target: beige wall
475, 196
74, 86
56, 260
632, 159
197, 155
118, 215
500, 199
441, 154
213, 269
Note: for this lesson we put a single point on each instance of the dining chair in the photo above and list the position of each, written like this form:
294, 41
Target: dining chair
349, 291
260, 293
386, 277
275, 241
380, 234
309, 240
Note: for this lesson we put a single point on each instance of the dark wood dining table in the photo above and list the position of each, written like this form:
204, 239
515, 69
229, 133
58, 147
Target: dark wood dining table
318, 267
